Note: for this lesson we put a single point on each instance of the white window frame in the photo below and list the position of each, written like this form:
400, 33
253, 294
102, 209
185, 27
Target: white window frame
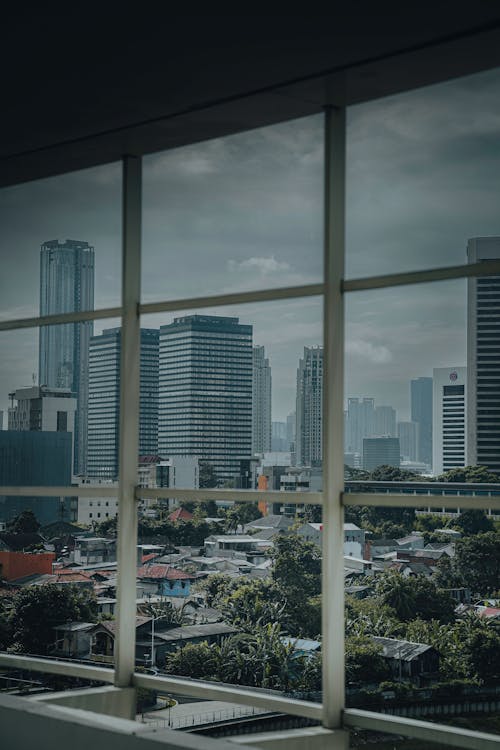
332, 712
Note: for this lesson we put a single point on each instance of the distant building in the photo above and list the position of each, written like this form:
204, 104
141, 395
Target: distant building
206, 365
483, 358
354, 537
42, 409
380, 451
384, 422
66, 286
97, 509
261, 402
279, 441
421, 413
104, 400
408, 440
309, 443
449, 437
38, 459
359, 423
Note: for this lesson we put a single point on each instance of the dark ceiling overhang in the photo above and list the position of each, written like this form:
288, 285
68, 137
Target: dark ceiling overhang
87, 94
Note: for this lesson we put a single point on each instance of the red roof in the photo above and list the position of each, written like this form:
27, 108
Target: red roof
162, 571
180, 514
489, 612
150, 556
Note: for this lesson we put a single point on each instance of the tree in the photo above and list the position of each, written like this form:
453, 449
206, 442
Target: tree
473, 521
364, 660
196, 660
37, 609
25, 523
208, 477
241, 514
415, 597
468, 474
477, 562
254, 602
387, 473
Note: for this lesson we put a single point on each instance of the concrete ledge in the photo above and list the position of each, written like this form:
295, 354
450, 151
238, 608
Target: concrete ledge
310, 738
108, 700
27, 724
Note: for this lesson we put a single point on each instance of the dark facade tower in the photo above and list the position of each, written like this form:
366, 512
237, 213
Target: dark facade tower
67, 285
205, 397
261, 402
483, 358
104, 400
309, 444
421, 413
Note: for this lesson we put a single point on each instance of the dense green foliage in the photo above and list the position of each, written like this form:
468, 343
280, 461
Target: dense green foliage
25, 523
37, 609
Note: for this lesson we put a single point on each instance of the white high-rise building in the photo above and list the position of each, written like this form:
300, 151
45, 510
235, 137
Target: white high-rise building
67, 285
483, 357
449, 418
261, 402
309, 443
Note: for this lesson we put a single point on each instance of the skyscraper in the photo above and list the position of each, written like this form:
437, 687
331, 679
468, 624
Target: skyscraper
309, 443
483, 358
408, 440
384, 422
449, 433
67, 285
261, 402
104, 400
205, 396
421, 413
359, 422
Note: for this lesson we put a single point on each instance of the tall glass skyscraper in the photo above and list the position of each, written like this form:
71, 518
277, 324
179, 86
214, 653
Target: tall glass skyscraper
421, 413
104, 400
483, 358
205, 398
309, 443
261, 402
67, 285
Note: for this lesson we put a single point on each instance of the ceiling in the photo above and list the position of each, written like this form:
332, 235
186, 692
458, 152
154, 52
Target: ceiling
85, 86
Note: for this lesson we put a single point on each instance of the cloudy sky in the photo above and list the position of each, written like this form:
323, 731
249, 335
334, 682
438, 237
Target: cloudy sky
246, 212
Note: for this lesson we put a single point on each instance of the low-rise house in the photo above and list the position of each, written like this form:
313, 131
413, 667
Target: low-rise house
175, 638
412, 541
232, 545
164, 580
20, 542
73, 639
417, 662
19, 564
92, 550
354, 537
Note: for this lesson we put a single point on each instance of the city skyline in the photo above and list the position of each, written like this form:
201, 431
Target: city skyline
249, 207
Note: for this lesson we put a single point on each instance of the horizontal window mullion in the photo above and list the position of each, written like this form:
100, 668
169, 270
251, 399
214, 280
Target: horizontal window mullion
53, 666
84, 491
231, 693
246, 496
449, 736
484, 268
234, 298
395, 500
52, 320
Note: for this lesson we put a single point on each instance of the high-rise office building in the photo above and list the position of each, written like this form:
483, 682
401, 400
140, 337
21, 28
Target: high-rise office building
421, 413
359, 423
408, 440
380, 451
308, 437
104, 400
205, 396
67, 285
449, 419
261, 402
384, 421
483, 358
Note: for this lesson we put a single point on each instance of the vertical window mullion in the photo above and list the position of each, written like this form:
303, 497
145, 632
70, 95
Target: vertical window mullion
333, 421
129, 423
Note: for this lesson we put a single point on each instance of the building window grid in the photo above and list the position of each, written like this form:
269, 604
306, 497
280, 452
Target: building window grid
327, 291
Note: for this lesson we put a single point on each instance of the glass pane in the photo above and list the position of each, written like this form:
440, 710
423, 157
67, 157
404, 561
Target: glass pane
422, 176
237, 213
65, 234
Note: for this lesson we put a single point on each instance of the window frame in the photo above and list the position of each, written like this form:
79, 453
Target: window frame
332, 290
